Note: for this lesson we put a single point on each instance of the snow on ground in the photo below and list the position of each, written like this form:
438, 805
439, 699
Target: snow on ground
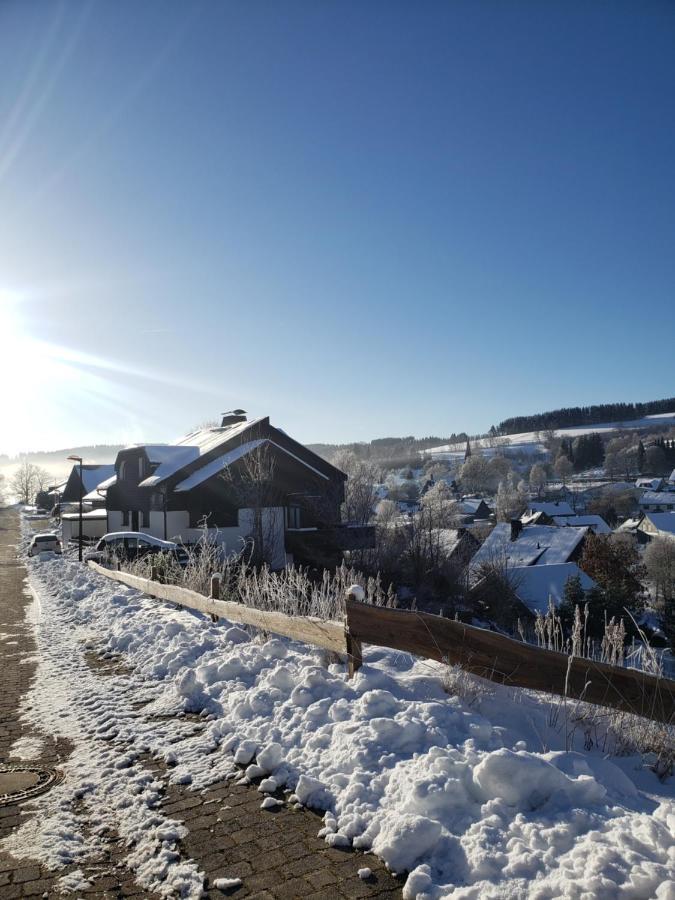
473, 801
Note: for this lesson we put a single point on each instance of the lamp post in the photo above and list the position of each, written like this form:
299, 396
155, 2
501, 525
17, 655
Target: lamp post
79, 459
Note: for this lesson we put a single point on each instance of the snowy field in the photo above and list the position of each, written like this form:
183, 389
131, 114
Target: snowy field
473, 795
528, 441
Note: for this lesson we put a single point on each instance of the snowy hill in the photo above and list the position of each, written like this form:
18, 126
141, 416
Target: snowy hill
529, 441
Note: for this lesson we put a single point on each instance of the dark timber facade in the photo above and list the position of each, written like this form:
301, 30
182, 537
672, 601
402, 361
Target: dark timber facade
244, 481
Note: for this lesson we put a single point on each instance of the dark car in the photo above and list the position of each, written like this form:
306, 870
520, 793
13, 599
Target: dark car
130, 545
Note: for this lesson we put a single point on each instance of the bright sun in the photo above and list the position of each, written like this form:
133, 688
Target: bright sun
32, 376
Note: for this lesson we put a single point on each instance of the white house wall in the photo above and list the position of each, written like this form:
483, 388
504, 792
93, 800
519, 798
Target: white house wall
232, 539
177, 524
91, 529
115, 521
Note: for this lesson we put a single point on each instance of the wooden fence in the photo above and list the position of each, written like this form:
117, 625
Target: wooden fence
477, 650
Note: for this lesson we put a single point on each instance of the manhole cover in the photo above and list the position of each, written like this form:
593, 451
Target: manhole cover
18, 783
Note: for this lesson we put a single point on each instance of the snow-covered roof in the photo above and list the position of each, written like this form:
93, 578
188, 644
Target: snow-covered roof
531, 518
551, 508
595, 523
671, 477
93, 496
169, 460
90, 514
664, 522
172, 457
449, 539
652, 484
217, 465
535, 545
227, 459
94, 475
470, 505
630, 524
535, 584
657, 498
104, 485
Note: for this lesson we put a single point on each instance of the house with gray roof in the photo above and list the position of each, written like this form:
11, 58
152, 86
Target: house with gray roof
535, 586
596, 523
659, 524
657, 501
512, 544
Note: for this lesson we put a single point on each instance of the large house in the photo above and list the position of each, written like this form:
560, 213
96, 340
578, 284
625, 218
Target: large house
512, 544
245, 482
660, 524
657, 501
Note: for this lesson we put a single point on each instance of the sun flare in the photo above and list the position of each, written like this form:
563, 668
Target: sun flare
32, 374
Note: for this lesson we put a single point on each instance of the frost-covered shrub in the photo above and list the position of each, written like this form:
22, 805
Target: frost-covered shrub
292, 590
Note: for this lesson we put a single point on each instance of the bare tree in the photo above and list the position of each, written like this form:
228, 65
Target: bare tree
563, 468
252, 485
660, 564
499, 469
441, 506
475, 474
537, 479
511, 499
27, 481
360, 495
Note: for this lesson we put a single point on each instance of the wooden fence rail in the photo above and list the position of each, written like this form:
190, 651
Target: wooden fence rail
479, 651
330, 635
506, 661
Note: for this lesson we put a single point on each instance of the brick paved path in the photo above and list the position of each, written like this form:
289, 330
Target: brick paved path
276, 854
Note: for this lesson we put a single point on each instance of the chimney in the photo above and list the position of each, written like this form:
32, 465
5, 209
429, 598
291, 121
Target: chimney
232, 417
516, 528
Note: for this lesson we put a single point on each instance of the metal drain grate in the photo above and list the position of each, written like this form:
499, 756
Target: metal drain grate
19, 783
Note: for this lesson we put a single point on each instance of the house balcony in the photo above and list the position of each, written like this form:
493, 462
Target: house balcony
330, 539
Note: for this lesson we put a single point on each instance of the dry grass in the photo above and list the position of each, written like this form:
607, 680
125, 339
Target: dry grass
457, 682
610, 731
291, 591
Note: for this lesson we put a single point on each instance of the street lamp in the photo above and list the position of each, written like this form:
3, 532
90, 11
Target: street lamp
79, 459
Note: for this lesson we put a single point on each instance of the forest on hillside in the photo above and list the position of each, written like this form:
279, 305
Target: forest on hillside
578, 416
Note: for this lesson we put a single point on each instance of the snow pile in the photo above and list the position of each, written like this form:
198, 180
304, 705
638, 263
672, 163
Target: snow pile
463, 799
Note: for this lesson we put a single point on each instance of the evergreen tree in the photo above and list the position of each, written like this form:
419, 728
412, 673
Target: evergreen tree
574, 596
641, 457
617, 567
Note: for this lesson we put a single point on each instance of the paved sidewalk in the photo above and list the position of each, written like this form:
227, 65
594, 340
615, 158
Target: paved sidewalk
276, 854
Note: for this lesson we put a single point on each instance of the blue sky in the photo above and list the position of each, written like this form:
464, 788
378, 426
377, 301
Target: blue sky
361, 218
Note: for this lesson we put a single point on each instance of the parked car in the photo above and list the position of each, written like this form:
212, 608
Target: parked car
130, 545
43, 543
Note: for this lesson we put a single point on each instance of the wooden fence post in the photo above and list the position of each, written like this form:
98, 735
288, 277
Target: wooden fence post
154, 573
215, 592
354, 646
